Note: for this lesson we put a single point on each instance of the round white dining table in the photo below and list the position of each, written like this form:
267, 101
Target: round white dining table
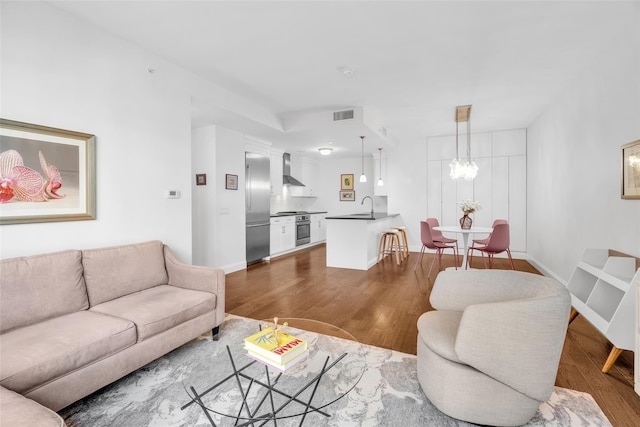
465, 236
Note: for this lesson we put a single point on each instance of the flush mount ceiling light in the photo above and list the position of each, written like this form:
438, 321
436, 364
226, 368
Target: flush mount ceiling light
363, 177
325, 151
347, 71
380, 182
459, 168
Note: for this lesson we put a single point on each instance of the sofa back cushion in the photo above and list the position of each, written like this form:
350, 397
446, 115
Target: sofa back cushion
122, 270
40, 287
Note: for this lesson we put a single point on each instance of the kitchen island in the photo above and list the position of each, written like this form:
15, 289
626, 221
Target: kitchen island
353, 240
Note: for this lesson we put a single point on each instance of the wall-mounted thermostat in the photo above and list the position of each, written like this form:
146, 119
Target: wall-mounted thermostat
172, 194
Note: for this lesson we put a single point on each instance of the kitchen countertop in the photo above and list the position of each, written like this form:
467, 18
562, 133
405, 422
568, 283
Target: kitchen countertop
275, 215
365, 216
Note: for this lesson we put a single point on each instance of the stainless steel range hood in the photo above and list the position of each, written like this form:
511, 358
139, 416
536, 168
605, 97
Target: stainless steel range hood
287, 179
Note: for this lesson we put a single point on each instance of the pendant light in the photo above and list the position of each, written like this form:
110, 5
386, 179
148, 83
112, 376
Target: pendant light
380, 182
455, 167
458, 168
363, 177
469, 169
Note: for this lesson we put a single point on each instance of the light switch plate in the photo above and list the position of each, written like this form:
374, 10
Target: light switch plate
172, 194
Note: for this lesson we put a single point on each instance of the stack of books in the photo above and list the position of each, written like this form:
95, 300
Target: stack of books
281, 352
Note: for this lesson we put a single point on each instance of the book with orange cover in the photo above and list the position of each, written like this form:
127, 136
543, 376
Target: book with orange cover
264, 345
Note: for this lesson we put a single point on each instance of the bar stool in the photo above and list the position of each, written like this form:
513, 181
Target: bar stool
389, 242
402, 237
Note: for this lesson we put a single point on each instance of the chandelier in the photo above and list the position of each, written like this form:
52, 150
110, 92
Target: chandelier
458, 167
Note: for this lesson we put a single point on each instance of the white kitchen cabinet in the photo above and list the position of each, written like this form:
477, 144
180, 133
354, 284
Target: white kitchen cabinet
318, 228
283, 234
603, 290
305, 170
500, 187
276, 174
377, 173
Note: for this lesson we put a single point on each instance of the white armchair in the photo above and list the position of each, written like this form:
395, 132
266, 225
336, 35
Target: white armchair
489, 353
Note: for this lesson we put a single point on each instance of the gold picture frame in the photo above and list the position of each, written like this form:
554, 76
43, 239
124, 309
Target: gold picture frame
48, 174
346, 181
630, 171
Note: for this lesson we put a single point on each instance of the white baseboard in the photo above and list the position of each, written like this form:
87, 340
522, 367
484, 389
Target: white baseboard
234, 267
545, 271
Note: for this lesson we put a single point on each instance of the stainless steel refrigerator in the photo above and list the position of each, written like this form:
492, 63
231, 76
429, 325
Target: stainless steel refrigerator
257, 193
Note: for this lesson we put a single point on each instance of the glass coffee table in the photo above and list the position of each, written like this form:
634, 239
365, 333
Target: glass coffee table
250, 393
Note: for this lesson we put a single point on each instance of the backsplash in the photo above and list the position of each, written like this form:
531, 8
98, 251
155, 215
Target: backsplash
283, 204
312, 204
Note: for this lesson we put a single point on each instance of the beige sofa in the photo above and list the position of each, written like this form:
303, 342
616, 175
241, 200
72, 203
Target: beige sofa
74, 321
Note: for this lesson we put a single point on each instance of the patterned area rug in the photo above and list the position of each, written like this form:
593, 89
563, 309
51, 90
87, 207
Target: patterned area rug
388, 393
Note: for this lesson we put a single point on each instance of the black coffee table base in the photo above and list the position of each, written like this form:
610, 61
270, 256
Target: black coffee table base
255, 415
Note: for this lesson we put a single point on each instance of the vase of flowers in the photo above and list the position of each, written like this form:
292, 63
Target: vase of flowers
468, 207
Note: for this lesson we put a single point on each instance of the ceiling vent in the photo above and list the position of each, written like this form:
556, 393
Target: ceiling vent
343, 115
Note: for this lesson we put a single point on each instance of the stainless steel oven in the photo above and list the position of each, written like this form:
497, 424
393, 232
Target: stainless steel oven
303, 229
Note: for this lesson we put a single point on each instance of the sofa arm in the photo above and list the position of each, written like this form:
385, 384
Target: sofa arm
206, 279
456, 290
17, 410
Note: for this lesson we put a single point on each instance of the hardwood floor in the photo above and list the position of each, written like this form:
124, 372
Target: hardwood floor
381, 307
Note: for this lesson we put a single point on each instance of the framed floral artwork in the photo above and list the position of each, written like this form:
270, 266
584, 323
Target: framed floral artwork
346, 181
631, 170
46, 174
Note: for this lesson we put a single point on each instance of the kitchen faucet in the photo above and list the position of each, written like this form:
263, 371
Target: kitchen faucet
362, 203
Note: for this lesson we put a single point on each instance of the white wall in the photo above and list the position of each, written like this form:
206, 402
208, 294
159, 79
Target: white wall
407, 192
218, 214
574, 162
230, 220
203, 205
329, 186
59, 72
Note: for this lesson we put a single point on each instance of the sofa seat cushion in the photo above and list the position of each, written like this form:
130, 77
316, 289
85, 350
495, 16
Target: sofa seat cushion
160, 308
438, 331
36, 354
17, 410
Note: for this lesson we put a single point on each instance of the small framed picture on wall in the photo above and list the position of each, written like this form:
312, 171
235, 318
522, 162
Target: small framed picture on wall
201, 179
231, 182
347, 195
346, 181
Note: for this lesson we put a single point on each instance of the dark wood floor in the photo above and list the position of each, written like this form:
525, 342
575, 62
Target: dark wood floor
381, 307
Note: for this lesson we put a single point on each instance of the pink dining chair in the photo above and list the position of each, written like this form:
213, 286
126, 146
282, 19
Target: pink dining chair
498, 243
485, 241
428, 243
437, 234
